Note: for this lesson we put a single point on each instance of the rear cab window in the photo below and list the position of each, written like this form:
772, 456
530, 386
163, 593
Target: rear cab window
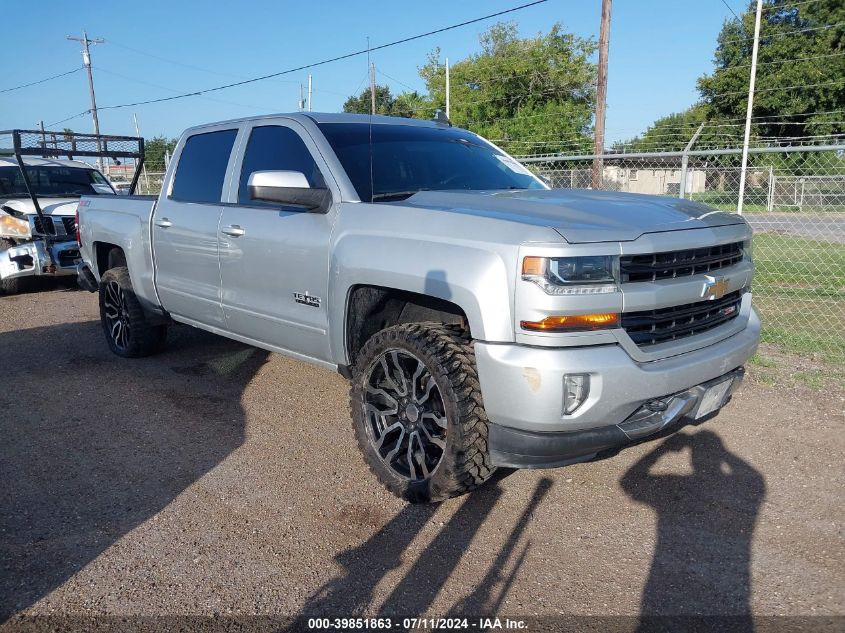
201, 171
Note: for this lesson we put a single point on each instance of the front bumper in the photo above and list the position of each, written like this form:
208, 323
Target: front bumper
523, 388
514, 448
30, 260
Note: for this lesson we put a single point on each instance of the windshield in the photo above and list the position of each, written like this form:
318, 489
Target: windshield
53, 180
408, 159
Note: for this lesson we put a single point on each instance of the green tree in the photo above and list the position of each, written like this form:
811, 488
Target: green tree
362, 104
668, 133
530, 95
799, 89
800, 46
155, 149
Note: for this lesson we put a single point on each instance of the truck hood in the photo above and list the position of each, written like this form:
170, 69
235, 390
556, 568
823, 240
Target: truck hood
50, 206
580, 215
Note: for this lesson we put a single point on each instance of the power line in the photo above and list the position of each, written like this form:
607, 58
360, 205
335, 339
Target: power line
785, 33
724, 2
182, 64
364, 51
75, 116
160, 87
41, 81
796, 87
401, 83
783, 61
790, 7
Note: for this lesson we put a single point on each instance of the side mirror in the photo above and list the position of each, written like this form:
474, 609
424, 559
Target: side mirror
287, 187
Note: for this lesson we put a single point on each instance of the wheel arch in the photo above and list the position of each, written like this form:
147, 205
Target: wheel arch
371, 308
108, 256
449, 278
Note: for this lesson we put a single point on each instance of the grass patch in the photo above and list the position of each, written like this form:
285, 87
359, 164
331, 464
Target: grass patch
813, 379
756, 201
758, 360
799, 291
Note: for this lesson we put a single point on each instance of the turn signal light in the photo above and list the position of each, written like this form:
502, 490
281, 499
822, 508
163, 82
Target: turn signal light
534, 266
573, 322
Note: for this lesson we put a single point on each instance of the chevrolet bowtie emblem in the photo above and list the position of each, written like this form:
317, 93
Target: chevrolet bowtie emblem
714, 287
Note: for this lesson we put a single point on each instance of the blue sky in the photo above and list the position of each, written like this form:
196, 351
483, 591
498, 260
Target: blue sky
155, 49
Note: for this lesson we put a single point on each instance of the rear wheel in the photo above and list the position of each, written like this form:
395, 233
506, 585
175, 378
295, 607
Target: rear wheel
127, 329
418, 414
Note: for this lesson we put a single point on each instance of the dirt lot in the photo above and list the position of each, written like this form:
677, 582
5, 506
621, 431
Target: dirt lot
219, 479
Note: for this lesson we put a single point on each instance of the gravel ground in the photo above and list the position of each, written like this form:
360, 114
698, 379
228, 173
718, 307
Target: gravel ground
216, 478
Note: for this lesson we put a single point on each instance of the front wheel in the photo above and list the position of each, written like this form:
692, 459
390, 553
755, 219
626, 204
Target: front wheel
127, 330
417, 412
13, 285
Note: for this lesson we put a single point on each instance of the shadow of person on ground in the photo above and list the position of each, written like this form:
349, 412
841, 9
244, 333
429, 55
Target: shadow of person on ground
92, 445
705, 525
482, 599
364, 567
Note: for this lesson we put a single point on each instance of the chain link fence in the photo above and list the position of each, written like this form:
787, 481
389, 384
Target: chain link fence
149, 183
795, 201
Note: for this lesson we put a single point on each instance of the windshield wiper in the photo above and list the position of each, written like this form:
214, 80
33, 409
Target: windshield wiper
395, 195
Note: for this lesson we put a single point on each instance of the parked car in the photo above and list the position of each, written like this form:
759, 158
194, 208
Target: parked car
483, 319
38, 198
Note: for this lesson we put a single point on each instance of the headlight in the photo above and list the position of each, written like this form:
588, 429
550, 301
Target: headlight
748, 255
572, 275
13, 227
747, 250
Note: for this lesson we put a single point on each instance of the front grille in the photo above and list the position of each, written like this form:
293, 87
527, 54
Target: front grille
668, 324
671, 264
68, 258
64, 225
40, 226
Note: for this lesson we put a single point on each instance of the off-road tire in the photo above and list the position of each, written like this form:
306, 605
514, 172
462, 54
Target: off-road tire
448, 356
15, 284
143, 337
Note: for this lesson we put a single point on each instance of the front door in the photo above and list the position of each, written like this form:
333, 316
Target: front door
185, 226
273, 258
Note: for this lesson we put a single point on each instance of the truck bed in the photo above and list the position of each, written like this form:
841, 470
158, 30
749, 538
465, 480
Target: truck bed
107, 221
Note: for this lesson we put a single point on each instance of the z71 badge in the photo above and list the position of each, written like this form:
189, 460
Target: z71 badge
305, 299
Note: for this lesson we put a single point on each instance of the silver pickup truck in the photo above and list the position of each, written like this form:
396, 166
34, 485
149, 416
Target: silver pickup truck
484, 319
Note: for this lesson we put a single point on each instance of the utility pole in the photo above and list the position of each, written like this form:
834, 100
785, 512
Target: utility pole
601, 94
749, 108
301, 102
309, 93
144, 164
43, 139
86, 61
372, 88
447, 88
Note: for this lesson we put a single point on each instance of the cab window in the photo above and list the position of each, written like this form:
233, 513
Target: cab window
202, 167
276, 148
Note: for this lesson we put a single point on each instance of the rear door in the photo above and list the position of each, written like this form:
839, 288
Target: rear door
184, 229
274, 258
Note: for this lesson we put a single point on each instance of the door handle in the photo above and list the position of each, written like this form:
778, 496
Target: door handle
233, 230
164, 223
